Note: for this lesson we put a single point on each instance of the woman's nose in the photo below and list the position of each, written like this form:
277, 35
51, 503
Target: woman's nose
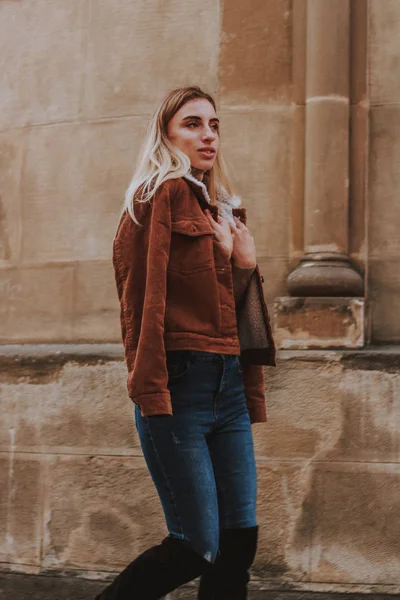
209, 134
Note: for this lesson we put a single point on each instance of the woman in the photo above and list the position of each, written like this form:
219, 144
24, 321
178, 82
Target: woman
196, 333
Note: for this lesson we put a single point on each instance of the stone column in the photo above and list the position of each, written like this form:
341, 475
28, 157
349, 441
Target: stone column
325, 268
325, 308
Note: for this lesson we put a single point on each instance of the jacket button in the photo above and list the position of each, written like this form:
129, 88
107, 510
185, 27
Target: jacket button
262, 278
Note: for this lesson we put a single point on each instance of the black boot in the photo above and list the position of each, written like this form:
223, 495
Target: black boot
156, 572
228, 577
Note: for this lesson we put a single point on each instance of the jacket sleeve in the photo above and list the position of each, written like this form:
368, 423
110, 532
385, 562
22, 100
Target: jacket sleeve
141, 255
254, 386
253, 375
241, 277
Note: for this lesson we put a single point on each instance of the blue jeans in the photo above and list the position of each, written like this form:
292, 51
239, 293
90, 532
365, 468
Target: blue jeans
201, 459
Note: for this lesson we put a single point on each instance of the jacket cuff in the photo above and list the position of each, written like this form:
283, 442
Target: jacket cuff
258, 414
154, 404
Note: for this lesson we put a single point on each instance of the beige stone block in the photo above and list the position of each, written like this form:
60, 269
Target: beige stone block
342, 408
301, 323
355, 529
96, 306
281, 490
305, 412
101, 512
109, 155
370, 408
77, 406
22, 396
20, 508
93, 411
257, 145
11, 156
384, 181
256, 52
384, 51
74, 180
155, 47
42, 50
384, 303
36, 304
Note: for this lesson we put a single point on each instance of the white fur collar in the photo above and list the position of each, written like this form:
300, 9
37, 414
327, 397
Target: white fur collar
224, 201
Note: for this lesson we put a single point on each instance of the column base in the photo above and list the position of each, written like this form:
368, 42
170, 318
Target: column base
315, 323
325, 274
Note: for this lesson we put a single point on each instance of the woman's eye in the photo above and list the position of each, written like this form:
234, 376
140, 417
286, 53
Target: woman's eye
215, 127
194, 124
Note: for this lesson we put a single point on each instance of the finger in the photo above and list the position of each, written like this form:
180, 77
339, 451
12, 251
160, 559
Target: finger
239, 223
210, 218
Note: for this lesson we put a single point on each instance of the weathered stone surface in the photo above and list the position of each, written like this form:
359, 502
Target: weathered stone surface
156, 47
11, 153
262, 175
96, 306
75, 408
355, 530
384, 182
20, 507
384, 280
256, 52
42, 51
281, 491
384, 51
330, 450
304, 411
74, 180
334, 410
319, 322
370, 409
36, 303
101, 512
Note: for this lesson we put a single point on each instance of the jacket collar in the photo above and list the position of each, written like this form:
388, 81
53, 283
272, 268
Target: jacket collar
224, 202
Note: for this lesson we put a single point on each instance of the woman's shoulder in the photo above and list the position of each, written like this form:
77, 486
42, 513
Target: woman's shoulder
173, 186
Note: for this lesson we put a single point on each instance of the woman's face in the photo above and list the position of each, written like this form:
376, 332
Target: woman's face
194, 129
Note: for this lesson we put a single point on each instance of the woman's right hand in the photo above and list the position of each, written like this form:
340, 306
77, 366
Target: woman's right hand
222, 233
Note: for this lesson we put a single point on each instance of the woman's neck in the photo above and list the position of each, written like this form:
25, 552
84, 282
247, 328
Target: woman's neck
197, 173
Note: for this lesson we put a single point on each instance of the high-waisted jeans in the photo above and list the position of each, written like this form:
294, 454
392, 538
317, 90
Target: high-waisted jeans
201, 459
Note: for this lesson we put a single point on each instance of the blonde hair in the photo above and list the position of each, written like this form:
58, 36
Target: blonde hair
160, 161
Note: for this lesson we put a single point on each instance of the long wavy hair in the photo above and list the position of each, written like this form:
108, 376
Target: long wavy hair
159, 160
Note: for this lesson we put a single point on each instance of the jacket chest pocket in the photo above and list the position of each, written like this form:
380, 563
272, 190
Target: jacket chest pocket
191, 246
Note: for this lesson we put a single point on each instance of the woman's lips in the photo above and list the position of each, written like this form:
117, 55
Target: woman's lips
207, 153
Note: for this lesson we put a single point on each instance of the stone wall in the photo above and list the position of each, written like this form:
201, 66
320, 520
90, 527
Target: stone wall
384, 172
77, 497
82, 79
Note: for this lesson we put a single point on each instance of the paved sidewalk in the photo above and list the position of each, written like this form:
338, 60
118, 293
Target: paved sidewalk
34, 587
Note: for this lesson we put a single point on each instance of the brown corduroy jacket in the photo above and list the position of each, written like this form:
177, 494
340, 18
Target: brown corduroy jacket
176, 292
